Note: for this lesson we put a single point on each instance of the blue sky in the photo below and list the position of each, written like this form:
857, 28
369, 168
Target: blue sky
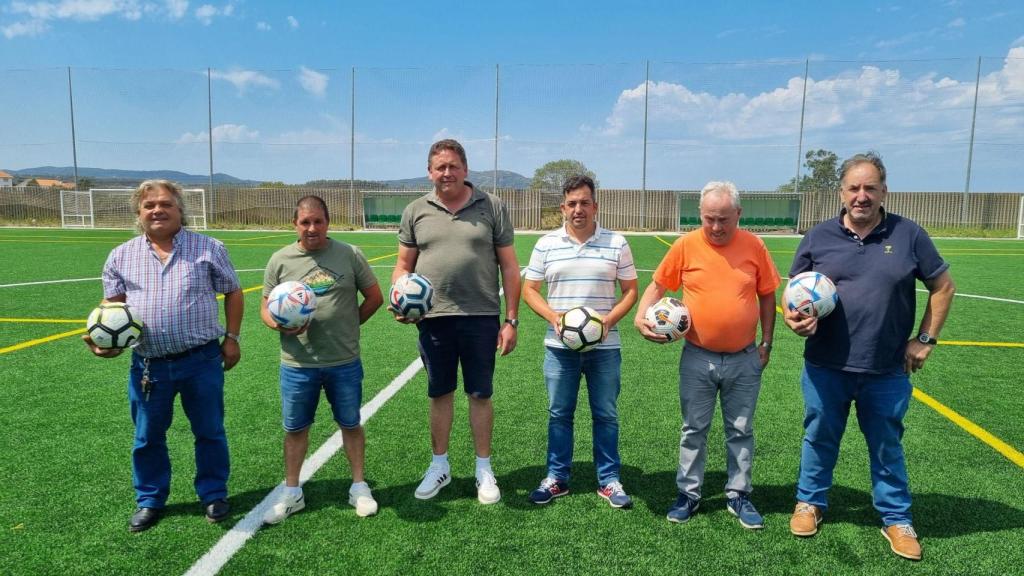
724, 98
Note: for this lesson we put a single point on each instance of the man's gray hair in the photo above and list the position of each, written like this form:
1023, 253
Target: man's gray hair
870, 157
150, 185
725, 188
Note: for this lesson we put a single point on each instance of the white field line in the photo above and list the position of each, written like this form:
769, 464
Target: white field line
232, 542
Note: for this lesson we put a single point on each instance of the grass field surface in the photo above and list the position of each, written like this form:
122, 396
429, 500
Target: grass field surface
65, 478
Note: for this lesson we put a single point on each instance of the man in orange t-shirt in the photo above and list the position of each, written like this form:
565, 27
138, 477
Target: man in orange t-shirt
728, 281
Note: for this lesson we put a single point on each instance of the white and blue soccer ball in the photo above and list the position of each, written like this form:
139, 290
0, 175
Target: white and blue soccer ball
811, 293
291, 304
411, 296
670, 318
113, 325
581, 328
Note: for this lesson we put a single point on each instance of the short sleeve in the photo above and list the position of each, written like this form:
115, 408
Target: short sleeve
535, 269
225, 279
625, 270
406, 228
929, 263
768, 275
365, 277
669, 271
503, 234
113, 282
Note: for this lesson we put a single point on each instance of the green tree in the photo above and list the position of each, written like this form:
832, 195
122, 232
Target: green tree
823, 166
85, 183
552, 175
273, 184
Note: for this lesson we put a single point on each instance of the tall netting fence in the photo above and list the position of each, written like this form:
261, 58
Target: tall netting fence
951, 132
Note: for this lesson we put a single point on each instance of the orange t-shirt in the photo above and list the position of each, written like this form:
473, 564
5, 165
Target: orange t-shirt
720, 286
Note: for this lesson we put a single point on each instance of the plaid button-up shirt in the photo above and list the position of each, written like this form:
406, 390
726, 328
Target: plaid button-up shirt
177, 300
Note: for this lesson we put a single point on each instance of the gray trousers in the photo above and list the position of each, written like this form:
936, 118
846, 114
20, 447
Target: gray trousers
736, 377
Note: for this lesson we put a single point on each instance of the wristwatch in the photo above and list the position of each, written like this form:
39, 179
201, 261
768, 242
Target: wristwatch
513, 321
233, 336
766, 345
926, 338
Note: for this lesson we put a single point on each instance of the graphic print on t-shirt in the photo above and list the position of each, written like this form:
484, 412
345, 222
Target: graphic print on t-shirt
321, 279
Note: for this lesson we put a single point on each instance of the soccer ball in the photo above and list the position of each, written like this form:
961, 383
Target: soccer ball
291, 304
412, 296
581, 328
670, 318
811, 294
113, 325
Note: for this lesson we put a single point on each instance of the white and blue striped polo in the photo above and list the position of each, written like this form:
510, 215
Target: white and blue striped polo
581, 274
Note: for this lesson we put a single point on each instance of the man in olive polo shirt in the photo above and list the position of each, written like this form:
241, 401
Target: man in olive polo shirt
459, 237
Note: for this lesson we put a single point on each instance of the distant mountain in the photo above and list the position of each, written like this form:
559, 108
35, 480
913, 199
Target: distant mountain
482, 180
111, 175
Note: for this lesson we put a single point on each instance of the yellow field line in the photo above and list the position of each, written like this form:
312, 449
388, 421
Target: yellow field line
41, 320
43, 340
973, 429
382, 257
281, 235
662, 240
983, 344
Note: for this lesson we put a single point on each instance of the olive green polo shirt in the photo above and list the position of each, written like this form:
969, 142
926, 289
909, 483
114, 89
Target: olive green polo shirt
457, 252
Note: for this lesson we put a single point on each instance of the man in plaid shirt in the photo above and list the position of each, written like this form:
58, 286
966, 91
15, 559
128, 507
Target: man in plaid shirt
170, 277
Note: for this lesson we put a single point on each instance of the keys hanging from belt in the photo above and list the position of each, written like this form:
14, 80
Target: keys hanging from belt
146, 383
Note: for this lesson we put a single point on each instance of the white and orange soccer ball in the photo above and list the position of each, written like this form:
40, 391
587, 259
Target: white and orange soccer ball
811, 294
670, 318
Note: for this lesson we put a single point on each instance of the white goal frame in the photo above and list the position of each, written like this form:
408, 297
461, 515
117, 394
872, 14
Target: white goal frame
1020, 219
111, 208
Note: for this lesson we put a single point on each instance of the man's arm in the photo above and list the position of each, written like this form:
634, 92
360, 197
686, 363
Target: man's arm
406, 262
652, 294
940, 296
372, 299
234, 306
766, 311
510, 281
537, 303
623, 306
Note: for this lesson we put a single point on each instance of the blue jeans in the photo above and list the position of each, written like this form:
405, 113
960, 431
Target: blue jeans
199, 378
562, 370
300, 394
882, 401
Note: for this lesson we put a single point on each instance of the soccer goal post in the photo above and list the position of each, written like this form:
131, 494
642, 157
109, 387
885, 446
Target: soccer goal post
111, 208
1020, 219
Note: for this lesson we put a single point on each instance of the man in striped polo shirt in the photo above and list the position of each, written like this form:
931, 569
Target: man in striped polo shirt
581, 263
171, 276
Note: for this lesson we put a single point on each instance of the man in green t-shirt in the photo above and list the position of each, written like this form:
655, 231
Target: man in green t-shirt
323, 353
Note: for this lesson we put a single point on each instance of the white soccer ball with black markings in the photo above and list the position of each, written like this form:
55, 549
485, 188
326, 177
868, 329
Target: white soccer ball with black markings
412, 296
581, 328
670, 318
291, 304
811, 294
113, 325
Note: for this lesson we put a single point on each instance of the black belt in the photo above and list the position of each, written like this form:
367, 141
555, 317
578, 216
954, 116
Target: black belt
187, 353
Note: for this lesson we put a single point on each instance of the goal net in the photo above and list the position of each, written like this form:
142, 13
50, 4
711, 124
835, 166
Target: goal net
111, 208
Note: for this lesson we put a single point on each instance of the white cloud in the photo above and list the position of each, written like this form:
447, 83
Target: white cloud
25, 28
957, 23
205, 14
86, 10
313, 82
177, 9
223, 133
263, 26
1018, 42
243, 80
293, 22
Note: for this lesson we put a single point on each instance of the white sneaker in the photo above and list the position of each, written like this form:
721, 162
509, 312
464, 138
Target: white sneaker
487, 491
437, 477
285, 507
363, 500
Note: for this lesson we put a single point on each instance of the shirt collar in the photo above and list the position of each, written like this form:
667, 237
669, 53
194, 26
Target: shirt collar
880, 228
474, 197
564, 234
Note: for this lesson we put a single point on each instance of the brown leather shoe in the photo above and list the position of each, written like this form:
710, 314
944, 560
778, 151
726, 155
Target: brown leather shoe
805, 520
903, 541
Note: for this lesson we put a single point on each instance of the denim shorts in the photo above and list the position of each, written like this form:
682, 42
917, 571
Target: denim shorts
300, 394
448, 341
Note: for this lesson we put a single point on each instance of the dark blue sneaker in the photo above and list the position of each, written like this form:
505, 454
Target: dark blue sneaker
742, 508
548, 490
682, 510
615, 495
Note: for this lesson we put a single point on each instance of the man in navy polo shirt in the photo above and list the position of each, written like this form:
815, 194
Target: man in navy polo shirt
861, 353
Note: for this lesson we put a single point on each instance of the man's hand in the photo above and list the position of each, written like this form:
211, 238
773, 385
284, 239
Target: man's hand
507, 339
765, 354
101, 352
799, 323
231, 353
403, 319
645, 327
917, 352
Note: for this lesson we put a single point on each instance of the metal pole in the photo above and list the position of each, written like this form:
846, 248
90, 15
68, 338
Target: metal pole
643, 173
497, 93
970, 148
800, 141
352, 155
74, 145
209, 125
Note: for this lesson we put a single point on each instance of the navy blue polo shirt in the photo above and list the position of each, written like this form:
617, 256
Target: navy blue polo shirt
875, 278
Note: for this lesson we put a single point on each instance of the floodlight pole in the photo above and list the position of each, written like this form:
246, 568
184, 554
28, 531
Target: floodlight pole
800, 139
74, 144
970, 147
643, 168
497, 93
352, 155
209, 127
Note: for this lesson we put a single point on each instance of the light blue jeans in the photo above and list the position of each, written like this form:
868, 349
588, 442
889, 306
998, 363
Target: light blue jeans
562, 371
882, 401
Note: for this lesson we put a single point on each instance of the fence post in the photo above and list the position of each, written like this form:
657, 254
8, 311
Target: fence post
970, 147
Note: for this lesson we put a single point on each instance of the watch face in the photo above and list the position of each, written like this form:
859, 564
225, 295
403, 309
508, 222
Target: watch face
924, 338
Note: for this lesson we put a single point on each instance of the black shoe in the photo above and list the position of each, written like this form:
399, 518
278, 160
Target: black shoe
144, 519
217, 510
